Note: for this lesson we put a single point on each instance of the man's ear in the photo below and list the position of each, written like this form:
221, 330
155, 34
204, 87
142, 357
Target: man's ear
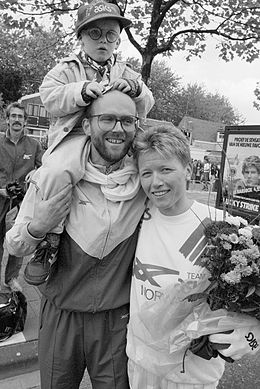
188, 170
117, 43
86, 126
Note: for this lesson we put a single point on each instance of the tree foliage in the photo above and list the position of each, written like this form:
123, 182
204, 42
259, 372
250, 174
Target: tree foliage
161, 26
199, 103
257, 95
2, 114
165, 86
26, 58
173, 100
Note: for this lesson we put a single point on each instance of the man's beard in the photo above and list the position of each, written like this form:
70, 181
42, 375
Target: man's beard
106, 154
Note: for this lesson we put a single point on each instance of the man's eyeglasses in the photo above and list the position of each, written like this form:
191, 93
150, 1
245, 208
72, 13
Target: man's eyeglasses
95, 33
108, 122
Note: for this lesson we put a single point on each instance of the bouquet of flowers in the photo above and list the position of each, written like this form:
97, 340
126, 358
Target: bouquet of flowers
232, 258
227, 297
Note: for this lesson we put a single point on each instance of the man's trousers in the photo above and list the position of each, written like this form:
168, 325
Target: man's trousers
70, 342
14, 264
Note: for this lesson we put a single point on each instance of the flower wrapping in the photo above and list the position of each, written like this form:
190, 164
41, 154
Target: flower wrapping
225, 298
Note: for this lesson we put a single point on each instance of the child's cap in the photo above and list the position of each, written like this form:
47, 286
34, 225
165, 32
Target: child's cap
99, 9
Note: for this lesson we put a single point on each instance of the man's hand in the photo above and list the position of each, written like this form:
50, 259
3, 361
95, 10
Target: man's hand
15, 190
49, 213
243, 341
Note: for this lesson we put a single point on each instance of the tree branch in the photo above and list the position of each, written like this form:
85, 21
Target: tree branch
168, 45
228, 18
133, 41
165, 9
52, 9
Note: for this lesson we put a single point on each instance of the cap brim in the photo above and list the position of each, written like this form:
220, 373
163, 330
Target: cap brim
124, 22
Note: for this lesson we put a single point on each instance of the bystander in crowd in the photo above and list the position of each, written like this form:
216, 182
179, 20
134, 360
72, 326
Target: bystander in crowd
20, 156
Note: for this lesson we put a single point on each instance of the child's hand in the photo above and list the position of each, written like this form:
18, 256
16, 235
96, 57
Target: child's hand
122, 85
94, 89
131, 87
91, 90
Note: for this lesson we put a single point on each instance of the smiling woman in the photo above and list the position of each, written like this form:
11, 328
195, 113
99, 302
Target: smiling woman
164, 182
170, 242
164, 165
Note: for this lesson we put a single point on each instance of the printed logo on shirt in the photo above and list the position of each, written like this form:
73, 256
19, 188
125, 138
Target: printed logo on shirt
146, 215
194, 246
191, 250
27, 156
147, 272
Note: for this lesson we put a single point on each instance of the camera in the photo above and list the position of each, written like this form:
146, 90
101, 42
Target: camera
15, 190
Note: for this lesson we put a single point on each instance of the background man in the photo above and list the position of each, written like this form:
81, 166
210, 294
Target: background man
206, 173
20, 155
86, 297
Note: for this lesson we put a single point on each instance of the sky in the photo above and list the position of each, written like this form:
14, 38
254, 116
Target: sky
236, 79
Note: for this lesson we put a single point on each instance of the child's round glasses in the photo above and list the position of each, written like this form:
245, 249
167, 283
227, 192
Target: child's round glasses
95, 33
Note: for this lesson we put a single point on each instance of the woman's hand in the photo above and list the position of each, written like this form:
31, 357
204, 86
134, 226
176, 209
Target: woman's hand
243, 341
49, 213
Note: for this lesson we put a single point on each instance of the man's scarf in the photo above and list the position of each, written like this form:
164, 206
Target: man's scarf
120, 185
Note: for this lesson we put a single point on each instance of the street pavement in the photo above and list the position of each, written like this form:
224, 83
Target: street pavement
19, 358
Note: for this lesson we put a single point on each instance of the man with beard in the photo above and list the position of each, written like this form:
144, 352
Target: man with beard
85, 302
20, 155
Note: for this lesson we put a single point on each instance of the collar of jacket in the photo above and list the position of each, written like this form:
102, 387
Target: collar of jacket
8, 135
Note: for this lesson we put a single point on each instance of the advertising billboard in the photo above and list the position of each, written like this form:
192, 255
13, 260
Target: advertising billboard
239, 192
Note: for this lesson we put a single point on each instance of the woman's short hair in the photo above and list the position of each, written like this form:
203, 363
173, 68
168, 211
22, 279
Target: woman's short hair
166, 140
251, 161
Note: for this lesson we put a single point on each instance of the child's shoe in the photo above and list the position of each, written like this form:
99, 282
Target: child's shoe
37, 270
